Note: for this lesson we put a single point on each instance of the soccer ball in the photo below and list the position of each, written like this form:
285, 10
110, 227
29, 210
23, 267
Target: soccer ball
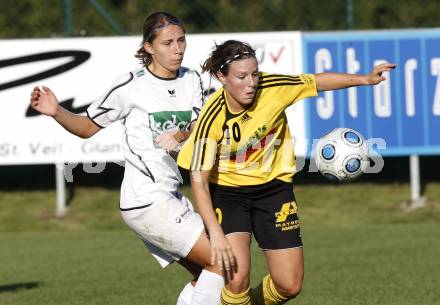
342, 154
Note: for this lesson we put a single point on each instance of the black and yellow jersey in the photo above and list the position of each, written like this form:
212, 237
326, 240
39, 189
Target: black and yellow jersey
253, 146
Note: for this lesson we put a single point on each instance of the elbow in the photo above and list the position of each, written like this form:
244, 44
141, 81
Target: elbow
84, 136
87, 133
90, 129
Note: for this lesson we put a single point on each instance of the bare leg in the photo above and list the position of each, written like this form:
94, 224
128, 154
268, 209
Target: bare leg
240, 243
192, 268
286, 267
210, 281
236, 290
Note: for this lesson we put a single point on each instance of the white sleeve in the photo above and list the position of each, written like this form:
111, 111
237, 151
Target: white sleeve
113, 105
198, 98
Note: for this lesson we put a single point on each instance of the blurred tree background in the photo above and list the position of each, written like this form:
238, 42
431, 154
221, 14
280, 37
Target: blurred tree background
58, 18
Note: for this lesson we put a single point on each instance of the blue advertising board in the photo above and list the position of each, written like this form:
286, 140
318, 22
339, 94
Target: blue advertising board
404, 110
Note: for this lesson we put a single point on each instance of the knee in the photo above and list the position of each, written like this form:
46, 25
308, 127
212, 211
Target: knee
290, 288
291, 291
239, 283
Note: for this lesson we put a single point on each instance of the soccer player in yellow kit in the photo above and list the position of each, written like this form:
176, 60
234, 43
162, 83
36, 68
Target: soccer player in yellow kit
241, 159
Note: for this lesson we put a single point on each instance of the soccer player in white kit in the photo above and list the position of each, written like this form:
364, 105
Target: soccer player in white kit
156, 105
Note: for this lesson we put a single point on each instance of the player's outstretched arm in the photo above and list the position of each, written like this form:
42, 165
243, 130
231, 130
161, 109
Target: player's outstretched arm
44, 101
331, 81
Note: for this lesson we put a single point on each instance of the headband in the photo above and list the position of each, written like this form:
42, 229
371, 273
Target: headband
228, 61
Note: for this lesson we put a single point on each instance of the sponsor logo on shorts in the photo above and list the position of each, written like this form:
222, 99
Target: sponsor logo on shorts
282, 221
184, 215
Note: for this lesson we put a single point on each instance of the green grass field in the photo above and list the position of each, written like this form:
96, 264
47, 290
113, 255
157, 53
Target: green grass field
360, 248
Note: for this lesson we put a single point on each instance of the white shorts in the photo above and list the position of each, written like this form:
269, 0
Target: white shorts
168, 226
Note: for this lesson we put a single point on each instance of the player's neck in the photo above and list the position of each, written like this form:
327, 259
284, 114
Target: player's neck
161, 72
233, 105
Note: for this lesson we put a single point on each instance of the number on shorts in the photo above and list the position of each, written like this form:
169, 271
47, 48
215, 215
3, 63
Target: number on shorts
219, 214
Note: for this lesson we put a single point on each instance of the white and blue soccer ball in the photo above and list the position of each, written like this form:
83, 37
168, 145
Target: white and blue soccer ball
343, 154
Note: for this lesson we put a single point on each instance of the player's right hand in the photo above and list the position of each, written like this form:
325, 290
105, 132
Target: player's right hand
44, 101
221, 253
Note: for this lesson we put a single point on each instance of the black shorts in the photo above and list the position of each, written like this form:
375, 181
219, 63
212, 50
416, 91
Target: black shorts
269, 211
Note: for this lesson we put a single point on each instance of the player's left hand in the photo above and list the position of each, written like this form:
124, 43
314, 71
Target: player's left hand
221, 253
375, 76
167, 140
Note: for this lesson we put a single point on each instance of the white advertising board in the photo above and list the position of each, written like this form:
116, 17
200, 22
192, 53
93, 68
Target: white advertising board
79, 70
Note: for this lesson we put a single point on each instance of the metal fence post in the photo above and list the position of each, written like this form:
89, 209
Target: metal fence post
61, 190
417, 201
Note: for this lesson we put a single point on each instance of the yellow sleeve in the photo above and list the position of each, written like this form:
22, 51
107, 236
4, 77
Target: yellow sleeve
199, 151
288, 89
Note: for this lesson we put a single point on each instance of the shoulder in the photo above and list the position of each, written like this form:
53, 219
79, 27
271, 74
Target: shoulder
273, 82
126, 79
121, 84
187, 73
137, 75
214, 108
217, 98
132, 79
267, 79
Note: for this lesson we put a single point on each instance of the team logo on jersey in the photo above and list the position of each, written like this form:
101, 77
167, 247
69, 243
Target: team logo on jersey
172, 92
169, 120
140, 73
255, 143
308, 79
246, 117
283, 221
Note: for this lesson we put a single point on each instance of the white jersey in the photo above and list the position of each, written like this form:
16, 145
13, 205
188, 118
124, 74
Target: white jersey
148, 105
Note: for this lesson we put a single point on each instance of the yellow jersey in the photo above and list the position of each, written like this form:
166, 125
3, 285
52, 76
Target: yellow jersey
253, 146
